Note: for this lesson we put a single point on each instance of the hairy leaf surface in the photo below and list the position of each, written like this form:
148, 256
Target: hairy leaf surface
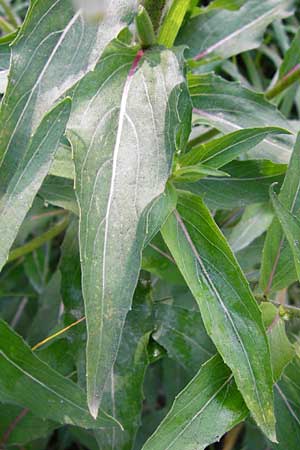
118, 186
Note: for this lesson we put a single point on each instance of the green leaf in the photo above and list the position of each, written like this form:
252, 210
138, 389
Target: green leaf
117, 187
291, 57
218, 152
231, 5
28, 381
248, 183
123, 396
18, 426
195, 173
60, 192
291, 227
19, 190
255, 220
181, 332
287, 406
211, 404
59, 46
191, 421
229, 107
172, 22
228, 308
158, 261
221, 33
275, 254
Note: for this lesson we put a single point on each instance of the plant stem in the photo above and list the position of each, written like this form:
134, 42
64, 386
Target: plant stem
290, 78
13, 19
38, 241
203, 137
6, 26
58, 333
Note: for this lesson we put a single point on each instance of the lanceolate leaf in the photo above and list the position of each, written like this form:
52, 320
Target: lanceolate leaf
210, 405
275, 244
291, 228
123, 395
248, 183
287, 407
28, 381
18, 191
56, 46
221, 33
221, 151
229, 107
190, 419
229, 310
292, 57
118, 186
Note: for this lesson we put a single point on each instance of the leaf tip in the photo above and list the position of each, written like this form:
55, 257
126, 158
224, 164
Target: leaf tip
93, 405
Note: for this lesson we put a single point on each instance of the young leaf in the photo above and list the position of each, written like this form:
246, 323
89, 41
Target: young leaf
273, 258
221, 33
291, 227
229, 310
248, 183
19, 189
28, 381
229, 107
118, 186
172, 22
218, 152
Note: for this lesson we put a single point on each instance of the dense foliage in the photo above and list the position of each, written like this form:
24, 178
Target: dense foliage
149, 225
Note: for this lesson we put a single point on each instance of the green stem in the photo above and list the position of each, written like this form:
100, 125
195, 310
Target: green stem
38, 241
6, 26
290, 78
11, 16
203, 137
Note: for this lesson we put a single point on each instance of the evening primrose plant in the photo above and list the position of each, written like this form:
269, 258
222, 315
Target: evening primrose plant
149, 224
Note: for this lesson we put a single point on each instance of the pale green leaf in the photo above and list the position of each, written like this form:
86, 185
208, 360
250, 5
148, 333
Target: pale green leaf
228, 106
221, 33
255, 220
118, 186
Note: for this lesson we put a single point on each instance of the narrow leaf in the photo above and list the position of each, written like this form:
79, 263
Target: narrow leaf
28, 381
211, 404
291, 227
229, 310
218, 152
276, 250
118, 186
20, 189
172, 22
221, 33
